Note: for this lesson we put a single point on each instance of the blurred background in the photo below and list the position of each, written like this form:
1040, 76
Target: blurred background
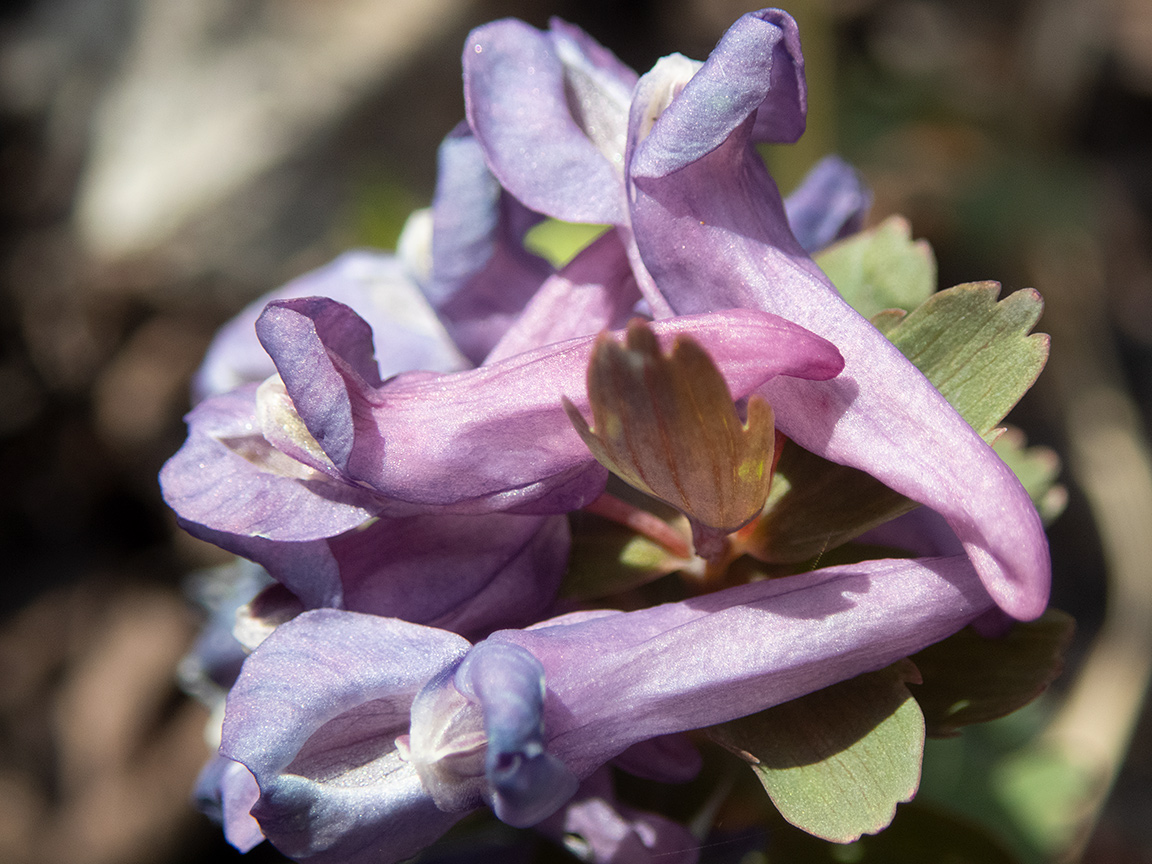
161, 164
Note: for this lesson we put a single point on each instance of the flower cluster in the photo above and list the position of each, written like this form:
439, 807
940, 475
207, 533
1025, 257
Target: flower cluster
399, 441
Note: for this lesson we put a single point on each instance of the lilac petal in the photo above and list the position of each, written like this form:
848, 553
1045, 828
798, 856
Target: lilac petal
829, 204
782, 116
623, 678
497, 437
321, 665
595, 292
382, 291
226, 791
517, 105
667, 759
211, 666
756, 70
306, 568
467, 574
314, 716
923, 532
714, 236
467, 220
228, 478
625, 835
239, 793
314, 342
481, 275
526, 783
597, 828
598, 88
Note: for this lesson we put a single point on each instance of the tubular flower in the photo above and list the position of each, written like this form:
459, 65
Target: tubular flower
369, 737
340, 447
418, 507
672, 162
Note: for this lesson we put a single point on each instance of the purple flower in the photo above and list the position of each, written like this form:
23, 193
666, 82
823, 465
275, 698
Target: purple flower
596, 827
287, 472
370, 736
671, 161
828, 205
254, 479
382, 288
479, 275
289, 509
436, 497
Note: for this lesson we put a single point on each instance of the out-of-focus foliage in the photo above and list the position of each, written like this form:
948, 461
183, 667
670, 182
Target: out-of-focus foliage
991, 125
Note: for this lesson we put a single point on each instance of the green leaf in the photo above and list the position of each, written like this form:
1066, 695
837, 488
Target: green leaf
886, 320
918, 835
559, 242
1046, 795
1037, 468
607, 559
977, 351
881, 268
837, 762
815, 506
970, 679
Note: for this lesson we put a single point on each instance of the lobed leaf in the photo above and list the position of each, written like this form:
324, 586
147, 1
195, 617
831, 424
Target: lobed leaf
881, 268
975, 349
1037, 467
968, 678
978, 352
837, 762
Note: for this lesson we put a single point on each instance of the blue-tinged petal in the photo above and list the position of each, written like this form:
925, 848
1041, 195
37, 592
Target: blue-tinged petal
480, 275
381, 817
595, 827
498, 437
382, 291
830, 203
467, 222
306, 568
756, 73
315, 342
714, 236
226, 791
515, 94
525, 782
626, 677
467, 574
314, 716
211, 666
782, 116
238, 794
666, 759
228, 478
598, 89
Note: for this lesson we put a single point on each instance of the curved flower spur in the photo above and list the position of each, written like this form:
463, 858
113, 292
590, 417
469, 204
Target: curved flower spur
369, 735
706, 229
319, 706
517, 721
